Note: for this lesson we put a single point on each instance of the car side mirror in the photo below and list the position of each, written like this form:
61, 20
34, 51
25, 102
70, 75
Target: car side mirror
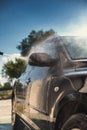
41, 59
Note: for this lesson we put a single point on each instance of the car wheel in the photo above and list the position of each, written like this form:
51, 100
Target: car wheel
76, 122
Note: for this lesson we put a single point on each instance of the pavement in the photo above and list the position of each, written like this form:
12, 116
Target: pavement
5, 115
5, 127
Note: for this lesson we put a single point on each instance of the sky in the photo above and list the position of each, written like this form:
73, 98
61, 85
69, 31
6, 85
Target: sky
19, 17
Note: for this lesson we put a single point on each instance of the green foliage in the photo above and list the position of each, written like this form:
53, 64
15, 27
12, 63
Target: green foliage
7, 86
14, 69
33, 38
0, 86
5, 94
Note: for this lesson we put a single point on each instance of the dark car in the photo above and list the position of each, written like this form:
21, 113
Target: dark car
52, 92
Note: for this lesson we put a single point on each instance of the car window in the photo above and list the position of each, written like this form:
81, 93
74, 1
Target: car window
36, 72
76, 46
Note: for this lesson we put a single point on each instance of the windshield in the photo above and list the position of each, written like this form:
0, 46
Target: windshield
76, 46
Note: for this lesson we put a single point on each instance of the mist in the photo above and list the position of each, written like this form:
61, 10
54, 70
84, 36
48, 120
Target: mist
77, 26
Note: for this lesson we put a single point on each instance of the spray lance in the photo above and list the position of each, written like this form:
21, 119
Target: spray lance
1, 53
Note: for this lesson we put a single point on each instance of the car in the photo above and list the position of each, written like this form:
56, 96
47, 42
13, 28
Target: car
51, 94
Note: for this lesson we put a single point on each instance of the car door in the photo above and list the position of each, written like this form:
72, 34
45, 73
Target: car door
37, 93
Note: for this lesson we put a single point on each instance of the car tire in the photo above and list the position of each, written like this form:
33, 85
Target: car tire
76, 122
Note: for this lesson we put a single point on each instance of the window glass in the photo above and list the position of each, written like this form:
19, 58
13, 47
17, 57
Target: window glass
76, 46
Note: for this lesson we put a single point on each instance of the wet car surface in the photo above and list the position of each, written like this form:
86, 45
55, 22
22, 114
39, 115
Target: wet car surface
54, 81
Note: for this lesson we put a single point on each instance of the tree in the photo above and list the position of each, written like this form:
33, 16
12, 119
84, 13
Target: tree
7, 86
0, 85
33, 38
13, 69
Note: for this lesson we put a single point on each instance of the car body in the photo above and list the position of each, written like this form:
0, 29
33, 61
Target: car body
51, 94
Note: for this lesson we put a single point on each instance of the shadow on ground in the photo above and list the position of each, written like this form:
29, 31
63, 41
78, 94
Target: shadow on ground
5, 127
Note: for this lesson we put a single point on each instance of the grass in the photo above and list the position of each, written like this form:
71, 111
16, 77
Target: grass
5, 94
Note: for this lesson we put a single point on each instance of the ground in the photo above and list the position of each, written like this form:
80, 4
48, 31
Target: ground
5, 115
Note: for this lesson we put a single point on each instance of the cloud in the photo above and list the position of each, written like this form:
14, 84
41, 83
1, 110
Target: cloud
77, 26
2, 79
12, 57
